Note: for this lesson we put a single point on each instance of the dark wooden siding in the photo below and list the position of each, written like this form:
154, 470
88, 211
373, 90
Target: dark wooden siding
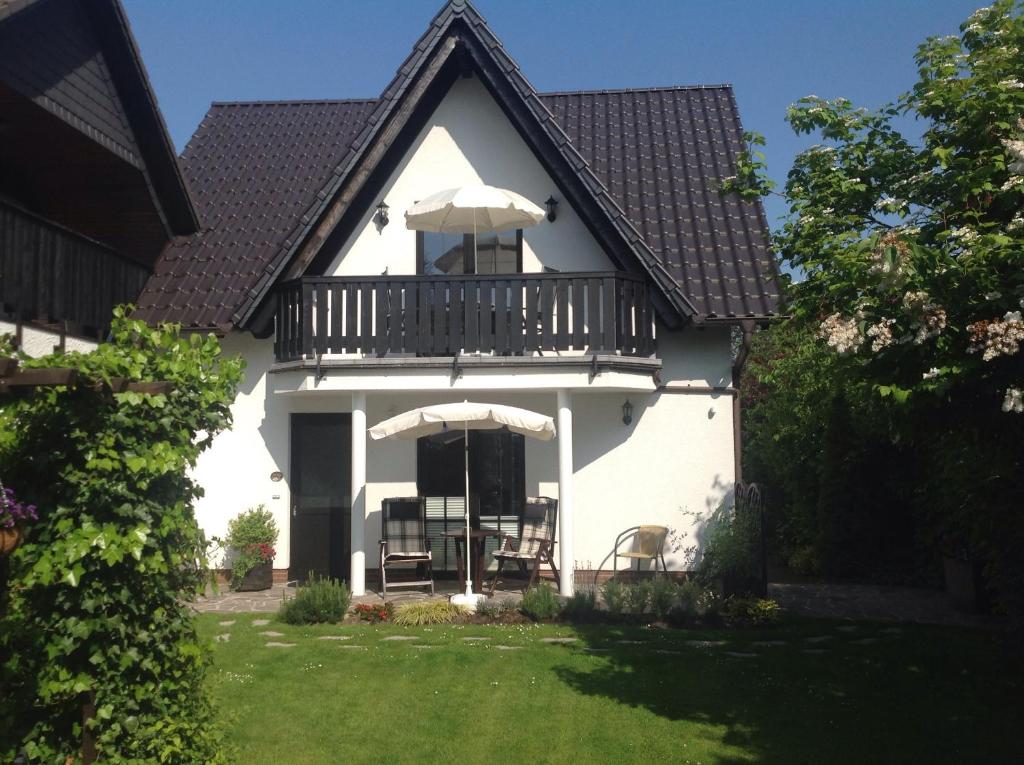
49, 274
49, 54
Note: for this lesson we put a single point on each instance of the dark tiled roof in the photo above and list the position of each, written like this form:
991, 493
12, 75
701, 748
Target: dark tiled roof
661, 153
263, 172
254, 170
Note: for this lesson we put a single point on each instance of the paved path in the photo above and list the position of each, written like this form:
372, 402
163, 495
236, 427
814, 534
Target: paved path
862, 601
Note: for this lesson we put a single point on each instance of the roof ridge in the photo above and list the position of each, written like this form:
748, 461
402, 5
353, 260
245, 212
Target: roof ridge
294, 102
646, 89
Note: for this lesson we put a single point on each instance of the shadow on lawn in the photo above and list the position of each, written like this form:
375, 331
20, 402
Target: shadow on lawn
799, 702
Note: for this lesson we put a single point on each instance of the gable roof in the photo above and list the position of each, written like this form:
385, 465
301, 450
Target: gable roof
274, 180
78, 61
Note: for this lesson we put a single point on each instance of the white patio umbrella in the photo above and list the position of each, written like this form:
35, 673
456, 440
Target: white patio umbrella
466, 209
467, 416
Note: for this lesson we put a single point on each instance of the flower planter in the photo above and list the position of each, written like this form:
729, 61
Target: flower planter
259, 578
10, 538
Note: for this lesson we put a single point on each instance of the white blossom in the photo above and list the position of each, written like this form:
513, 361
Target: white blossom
881, 334
840, 333
1015, 148
931, 374
1012, 83
930, 319
964, 235
1013, 401
997, 337
1012, 182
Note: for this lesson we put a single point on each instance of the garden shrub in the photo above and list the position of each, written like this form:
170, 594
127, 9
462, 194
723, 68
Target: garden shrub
428, 612
750, 612
98, 610
637, 596
252, 534
730, 557
541, 602
581, 606
614, 596
320, 600
496, 607
663, 595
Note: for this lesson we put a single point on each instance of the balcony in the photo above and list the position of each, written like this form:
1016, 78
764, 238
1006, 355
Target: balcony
52, 275
513, 315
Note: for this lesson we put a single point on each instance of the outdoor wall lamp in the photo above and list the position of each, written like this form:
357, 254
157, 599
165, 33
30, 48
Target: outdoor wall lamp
627, 413
382, 214
552, 205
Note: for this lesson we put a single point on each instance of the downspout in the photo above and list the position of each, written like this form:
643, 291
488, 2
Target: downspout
737, 407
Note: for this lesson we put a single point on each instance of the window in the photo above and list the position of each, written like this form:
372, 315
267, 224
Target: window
497, 485
448, 254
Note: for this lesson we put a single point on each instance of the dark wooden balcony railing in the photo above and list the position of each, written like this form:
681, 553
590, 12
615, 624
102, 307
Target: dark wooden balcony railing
446, 315
50, 274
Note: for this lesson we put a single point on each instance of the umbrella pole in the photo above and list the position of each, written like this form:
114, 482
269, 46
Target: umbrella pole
465, 452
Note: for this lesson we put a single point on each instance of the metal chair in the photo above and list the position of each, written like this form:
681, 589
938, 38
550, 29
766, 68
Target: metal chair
536, 541
648, 544
404, 540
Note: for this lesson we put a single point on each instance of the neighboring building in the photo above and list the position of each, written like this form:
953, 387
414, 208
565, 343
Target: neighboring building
90, 190
345, 317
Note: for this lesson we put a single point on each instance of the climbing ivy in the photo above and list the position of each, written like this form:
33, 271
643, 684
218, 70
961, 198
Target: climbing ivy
98, 623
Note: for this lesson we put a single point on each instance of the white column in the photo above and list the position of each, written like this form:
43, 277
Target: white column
357, 576
566, 562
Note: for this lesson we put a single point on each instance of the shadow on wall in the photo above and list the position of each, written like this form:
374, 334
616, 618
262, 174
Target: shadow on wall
691, 544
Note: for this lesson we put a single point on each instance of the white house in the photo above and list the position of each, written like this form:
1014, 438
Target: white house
630, 291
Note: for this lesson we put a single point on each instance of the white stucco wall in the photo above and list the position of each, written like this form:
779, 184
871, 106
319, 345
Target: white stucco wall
42, 342
671, 467
467, 140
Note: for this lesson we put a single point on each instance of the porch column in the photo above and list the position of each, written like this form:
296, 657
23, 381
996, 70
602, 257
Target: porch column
357, 574
566, 561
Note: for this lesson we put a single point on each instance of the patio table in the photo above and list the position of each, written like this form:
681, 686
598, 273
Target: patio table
478, 539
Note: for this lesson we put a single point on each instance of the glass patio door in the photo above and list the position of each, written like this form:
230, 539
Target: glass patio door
321, 501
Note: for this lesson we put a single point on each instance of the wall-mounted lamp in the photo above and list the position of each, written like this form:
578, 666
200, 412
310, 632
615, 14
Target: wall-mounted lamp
627, 413
552, 205
382, 214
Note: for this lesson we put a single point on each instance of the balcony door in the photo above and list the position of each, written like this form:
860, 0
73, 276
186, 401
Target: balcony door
441, 254
321, 502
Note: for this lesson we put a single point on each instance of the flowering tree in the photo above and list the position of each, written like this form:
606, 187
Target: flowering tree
913, 251
910, 249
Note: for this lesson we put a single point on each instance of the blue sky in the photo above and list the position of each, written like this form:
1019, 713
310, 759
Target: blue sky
198, 51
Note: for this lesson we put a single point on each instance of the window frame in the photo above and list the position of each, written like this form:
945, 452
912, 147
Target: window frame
467, 250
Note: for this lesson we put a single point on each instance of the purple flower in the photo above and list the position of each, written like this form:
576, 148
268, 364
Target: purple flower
13, 512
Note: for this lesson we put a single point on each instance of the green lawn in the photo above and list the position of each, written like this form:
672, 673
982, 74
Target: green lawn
871, 694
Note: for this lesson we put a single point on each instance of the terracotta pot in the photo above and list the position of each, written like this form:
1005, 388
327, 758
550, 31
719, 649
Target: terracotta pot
10, 538
260, 577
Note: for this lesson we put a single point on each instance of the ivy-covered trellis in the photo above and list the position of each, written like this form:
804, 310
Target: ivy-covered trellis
96, 627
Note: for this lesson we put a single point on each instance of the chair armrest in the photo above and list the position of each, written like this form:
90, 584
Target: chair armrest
631, 530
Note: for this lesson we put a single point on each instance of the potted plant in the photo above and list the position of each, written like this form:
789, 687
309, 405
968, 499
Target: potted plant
14, 515
252, 536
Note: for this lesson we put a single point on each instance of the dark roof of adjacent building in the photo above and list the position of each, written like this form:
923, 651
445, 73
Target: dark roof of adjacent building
76, 64
644, 167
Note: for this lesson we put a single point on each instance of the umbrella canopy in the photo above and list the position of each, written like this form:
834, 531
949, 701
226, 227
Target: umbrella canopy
468, 209
465, 416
